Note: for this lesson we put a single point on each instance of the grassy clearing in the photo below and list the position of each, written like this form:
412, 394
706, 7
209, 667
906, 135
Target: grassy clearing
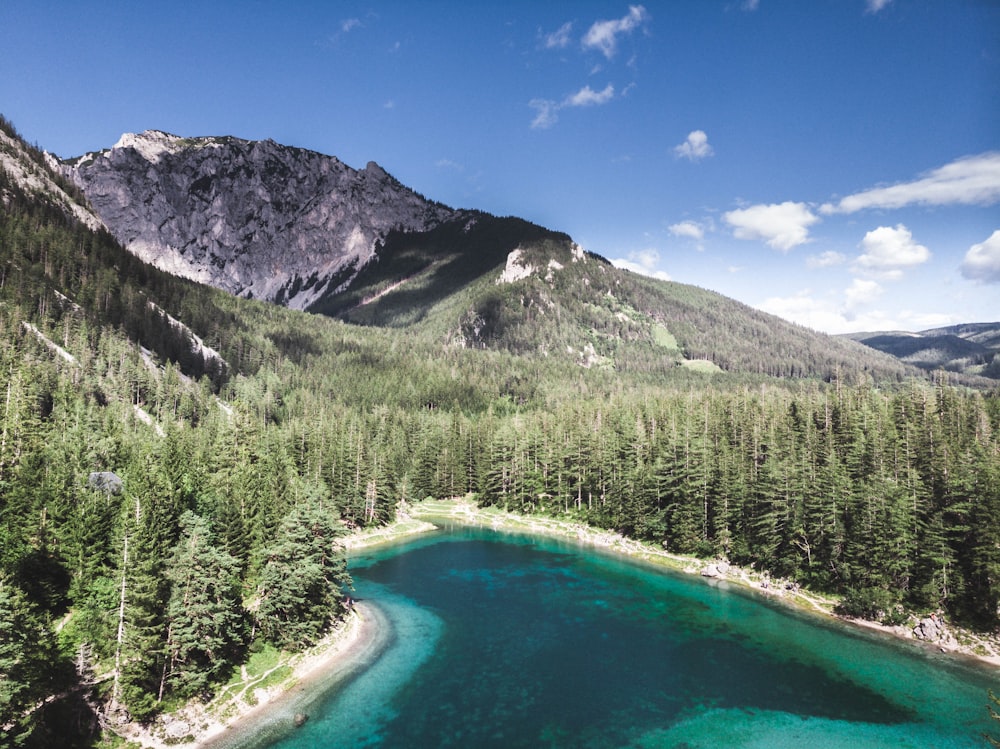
402, 527
701, 365
663, 337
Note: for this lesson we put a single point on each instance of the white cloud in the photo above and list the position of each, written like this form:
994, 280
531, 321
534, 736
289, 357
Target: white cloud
887, 251
750, 5
586, 97
643, 262
874, 6
974, 180
804, 309
559, 39
982, 261
695, 147
690, 229
349, 24
548, 110
603, 35
827, 259
782, 225
861, 291
831, 315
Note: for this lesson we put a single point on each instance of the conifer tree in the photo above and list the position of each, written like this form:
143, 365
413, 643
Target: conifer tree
29, 664
204, 619
303, 579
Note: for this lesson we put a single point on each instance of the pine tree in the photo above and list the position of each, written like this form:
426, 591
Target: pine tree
301, 585
29, 664
204, 618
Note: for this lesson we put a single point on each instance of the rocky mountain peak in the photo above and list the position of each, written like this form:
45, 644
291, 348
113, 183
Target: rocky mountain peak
254, 218
151, 144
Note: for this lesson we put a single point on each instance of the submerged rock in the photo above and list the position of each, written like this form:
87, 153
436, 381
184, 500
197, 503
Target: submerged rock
300, 719
715, 569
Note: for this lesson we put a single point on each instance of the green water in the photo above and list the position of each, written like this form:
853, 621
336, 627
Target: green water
506, 641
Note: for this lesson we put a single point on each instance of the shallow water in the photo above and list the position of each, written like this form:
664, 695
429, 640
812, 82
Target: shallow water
505, 641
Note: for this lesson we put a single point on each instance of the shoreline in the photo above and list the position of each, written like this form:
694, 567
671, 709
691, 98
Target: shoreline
464, 511
235, 723
229, 723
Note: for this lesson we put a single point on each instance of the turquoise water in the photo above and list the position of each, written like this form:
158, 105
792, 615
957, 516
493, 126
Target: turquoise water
507, 641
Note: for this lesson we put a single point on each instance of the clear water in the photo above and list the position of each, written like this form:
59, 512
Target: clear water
507, 641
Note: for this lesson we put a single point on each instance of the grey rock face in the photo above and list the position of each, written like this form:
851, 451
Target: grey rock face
929, 629
104, 481
254, 218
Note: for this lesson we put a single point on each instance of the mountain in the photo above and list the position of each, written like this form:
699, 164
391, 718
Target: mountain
969, 348
253, 218
301, 229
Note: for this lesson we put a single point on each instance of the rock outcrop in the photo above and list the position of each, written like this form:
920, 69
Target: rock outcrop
253, 218
933, 629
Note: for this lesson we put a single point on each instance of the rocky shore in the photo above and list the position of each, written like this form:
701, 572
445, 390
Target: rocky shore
244, 713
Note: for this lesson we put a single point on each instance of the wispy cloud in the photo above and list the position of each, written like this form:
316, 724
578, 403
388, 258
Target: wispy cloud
545, 113
781, 225
887, 251
449, 164
695, 148
828, 259
974, 180
690, 229
643, 262
560, 38
587, 97
982, 261
874, 6
750, 5
547, 110
851, 311
604, 35
349, 24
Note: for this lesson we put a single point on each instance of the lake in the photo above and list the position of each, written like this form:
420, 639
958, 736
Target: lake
511, 641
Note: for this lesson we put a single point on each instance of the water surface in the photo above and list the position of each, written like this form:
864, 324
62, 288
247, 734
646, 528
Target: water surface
507, 641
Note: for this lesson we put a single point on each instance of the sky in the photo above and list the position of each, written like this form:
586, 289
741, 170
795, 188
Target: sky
834, 162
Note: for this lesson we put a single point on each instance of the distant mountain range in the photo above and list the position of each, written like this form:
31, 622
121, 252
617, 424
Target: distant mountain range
969, 348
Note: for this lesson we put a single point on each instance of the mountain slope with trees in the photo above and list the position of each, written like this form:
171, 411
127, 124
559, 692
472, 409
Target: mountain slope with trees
971, 348
248, 436
304, 230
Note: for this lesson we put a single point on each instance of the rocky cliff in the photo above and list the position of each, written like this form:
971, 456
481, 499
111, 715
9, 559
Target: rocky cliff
254, 218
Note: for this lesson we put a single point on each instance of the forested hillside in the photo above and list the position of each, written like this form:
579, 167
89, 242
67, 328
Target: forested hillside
247, 437
303, 230
972, 348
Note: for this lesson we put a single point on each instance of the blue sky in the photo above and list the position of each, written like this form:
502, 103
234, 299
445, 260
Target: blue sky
836, 162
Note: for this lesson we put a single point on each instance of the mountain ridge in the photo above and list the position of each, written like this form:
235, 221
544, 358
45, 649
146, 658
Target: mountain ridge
301, 229
968, 348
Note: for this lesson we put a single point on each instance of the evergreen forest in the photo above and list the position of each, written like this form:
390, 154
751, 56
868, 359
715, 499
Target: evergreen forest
177, 465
